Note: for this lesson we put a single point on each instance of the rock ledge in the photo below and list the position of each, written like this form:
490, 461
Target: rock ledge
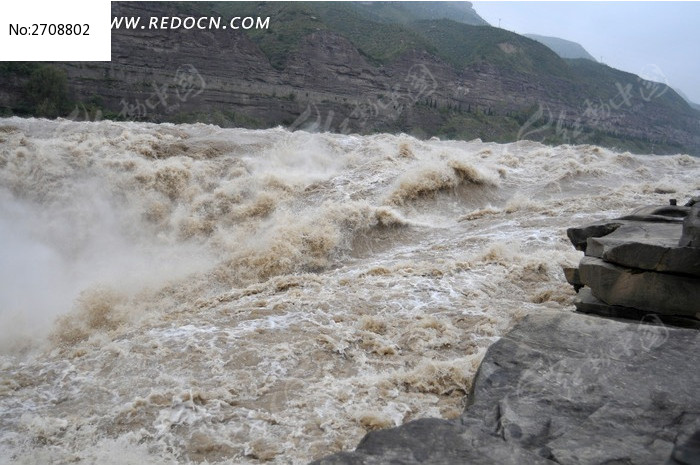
643, 264
563, 388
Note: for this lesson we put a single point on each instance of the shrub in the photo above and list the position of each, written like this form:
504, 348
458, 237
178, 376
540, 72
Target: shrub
46, 92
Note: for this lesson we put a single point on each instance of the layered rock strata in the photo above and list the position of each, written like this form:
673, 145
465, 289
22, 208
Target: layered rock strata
640, 265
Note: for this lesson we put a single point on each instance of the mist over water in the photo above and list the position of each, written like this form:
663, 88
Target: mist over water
189, 293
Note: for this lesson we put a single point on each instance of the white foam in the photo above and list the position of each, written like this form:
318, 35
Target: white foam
229, 294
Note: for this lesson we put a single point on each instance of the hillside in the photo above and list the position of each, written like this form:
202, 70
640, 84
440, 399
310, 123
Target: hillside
407, 12
563, 48
692, 104
356, 67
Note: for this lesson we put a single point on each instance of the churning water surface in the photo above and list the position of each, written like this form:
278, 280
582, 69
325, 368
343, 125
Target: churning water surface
186, 293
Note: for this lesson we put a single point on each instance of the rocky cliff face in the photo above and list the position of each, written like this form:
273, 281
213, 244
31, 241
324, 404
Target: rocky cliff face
223, 77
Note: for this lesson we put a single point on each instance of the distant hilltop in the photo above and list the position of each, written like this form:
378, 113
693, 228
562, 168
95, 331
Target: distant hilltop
406, 12
692, 104
563, 48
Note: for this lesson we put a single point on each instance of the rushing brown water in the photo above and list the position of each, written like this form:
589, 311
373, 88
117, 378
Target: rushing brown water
176, 294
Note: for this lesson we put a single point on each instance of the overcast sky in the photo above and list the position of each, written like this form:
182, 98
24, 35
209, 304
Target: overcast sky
645, 38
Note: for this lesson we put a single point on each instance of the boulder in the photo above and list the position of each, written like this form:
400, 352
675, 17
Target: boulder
690, 237
587, 303
651, 214
572, 277
645, 290
579, 235
647, 246
644, 263
562, 388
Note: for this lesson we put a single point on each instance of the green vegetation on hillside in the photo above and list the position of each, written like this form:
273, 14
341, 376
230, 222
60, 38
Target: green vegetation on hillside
292, 22
408, 12
44, 88
384, 31
461, 125
379, 42
463, 45
604, 82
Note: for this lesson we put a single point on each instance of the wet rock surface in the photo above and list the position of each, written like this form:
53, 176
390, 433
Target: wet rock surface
563, 388
645, 263
648, 246
690, 237
662, 293
687, 453
587, 303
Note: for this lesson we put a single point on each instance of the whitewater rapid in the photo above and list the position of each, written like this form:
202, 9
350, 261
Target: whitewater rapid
186, 293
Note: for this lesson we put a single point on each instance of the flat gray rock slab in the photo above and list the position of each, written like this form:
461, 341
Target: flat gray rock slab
647, 246
562, 388
587, 303
645, 290
650, 214
579, 235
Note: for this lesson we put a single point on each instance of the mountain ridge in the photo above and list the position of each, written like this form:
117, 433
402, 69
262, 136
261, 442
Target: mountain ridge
327, 63
562, 47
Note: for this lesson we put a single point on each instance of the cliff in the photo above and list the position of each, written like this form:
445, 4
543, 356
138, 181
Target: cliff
341, 68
